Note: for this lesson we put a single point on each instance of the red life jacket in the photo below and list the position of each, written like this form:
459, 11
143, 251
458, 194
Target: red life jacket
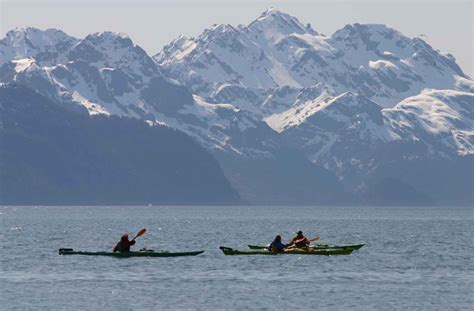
300, 242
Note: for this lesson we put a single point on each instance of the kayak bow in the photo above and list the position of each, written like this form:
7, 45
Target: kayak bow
70, 251
297, 251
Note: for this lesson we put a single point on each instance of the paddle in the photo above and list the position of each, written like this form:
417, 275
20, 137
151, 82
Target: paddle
140, 233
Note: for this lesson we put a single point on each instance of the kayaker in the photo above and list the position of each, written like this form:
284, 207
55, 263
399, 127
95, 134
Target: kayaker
277, 245
124, 245
299, 241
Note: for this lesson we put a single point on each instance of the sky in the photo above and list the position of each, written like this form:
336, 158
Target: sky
445, 24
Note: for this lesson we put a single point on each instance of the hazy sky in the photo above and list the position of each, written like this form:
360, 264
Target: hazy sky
447, 25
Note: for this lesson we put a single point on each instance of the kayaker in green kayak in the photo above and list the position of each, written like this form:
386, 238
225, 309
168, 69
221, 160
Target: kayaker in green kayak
124, 245
299, 241
277, 245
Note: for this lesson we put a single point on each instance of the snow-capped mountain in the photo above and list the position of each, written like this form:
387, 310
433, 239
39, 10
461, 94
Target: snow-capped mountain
276, 50
46, 47
342, 133
349, 133
283, 108
108, 74
443, 120
326, 94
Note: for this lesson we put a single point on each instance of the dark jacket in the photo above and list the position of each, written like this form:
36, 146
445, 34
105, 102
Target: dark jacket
276, 246
123, 246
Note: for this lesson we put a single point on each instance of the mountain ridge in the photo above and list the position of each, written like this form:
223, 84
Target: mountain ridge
272, 94
302, 58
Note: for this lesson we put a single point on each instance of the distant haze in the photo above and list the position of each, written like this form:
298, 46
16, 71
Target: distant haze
446, 25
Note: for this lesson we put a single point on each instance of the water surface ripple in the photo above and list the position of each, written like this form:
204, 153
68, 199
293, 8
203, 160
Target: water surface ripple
415, 258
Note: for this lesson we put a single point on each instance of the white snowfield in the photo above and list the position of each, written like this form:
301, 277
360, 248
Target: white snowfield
31, 42
445, 116
236, 89
23, 64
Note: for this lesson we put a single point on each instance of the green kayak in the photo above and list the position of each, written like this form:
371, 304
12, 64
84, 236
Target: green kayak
318, 246
147, 253
297, 251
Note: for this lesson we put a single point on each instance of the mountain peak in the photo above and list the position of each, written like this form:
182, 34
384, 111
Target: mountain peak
23, 31
35, 34
370, 34
113, 50
272, 11
358, 30
110, 37
44, 45
275, 23
222, 28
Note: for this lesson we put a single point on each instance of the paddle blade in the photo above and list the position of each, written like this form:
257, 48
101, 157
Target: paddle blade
140, 233
315, 239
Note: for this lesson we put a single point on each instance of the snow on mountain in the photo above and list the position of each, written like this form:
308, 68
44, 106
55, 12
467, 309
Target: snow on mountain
22, 64
114, 50
108, 74
338, 132
276, 50
359, 103
220, 55
442, 119
349, 134
46, 46
274, 25
465, 85
326, 95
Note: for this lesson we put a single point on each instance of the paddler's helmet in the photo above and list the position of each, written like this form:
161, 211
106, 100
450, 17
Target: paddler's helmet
124, 237
299, 232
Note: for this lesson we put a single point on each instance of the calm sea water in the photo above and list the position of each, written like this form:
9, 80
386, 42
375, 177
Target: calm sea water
415, 258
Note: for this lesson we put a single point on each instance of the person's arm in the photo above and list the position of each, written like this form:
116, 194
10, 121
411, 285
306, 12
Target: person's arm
297, 241
115, 248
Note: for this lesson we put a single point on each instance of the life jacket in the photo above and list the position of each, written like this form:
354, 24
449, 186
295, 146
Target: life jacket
301, 242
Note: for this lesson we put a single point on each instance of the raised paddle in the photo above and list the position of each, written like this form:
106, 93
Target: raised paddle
140, 233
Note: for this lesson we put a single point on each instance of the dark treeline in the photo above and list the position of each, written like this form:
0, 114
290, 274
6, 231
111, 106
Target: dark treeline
52, 155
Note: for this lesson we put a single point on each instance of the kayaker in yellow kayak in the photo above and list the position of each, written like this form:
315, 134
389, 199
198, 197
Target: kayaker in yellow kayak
277, 245
299, 241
